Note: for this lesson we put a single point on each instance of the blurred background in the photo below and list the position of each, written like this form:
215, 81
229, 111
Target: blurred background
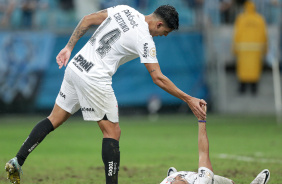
204, 58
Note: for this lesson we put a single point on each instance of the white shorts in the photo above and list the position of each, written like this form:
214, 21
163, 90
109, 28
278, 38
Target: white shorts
205, 176
93, 101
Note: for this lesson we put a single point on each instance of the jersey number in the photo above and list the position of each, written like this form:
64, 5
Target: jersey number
107, 40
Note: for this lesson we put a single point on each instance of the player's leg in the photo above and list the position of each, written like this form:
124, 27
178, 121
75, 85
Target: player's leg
110, 149
36, 136
98, 103
109, 129
41, 130
58, 116
66, 104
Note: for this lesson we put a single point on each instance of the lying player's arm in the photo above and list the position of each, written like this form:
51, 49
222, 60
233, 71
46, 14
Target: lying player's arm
82, 27
203, 145
166, 84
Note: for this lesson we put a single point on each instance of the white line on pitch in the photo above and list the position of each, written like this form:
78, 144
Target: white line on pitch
249, 159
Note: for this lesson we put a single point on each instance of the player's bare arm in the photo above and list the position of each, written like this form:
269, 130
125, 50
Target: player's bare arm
82, 27
85, 23
203, 143
163, 82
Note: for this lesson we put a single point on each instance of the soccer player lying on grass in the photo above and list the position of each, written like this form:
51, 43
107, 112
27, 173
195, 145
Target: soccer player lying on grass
205, 173
123, 35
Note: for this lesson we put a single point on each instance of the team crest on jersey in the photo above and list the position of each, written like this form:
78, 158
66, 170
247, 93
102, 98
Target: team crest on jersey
149, 52
153, 52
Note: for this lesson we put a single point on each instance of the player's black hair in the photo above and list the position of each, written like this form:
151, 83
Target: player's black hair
169, 14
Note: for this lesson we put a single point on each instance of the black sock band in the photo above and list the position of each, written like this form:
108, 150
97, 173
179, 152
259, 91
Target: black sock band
111, 159
37, 134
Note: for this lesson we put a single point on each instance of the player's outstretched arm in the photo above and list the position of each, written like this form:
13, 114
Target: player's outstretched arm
166, 84
203, 143
82, 27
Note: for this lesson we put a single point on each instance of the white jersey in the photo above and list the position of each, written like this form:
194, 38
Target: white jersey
204, 176
123, 36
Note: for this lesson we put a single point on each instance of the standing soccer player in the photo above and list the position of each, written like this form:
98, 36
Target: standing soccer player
123, 35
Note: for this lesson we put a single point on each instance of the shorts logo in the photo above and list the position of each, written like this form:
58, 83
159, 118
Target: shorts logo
62, 95
87, 109
145, 54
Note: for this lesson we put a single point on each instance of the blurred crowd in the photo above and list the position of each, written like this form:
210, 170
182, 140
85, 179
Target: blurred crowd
42, 14
225, 11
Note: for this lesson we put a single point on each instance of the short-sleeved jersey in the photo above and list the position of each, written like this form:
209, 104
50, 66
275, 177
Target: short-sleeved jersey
204, 176
123, 36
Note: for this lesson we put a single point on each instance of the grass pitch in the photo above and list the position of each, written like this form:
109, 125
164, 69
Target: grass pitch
240, 147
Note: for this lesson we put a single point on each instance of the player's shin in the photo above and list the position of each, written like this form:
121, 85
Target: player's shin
38, 133
111, 159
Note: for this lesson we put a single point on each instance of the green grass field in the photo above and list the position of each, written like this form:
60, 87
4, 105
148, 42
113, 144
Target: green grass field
240, 147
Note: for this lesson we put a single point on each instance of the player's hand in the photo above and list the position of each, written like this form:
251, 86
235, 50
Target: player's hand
63, 57
204, 107
195, 105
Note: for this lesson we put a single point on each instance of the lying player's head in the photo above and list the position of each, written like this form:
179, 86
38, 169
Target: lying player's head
178, 180
168, 20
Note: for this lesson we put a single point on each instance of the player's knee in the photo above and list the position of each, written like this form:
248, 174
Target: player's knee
116, 132
55, 121
110, 129
58, 116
